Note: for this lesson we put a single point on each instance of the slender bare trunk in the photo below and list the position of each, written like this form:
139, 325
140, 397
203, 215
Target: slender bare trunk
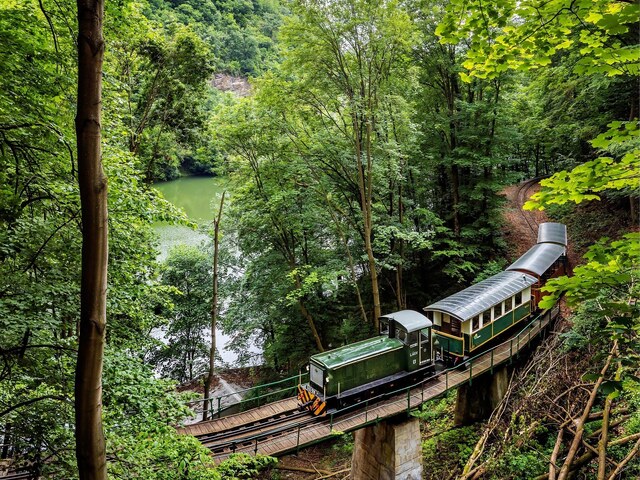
214, 309
401, 298
90, 444
455, 199
307, 315
554, 455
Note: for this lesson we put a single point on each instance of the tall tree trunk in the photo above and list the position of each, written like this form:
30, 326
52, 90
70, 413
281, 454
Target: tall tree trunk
214, 308
305, 312
352, 269
455, 198
90, 444
365, 188
400, 296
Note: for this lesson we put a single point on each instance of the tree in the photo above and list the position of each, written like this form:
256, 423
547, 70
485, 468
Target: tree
465, 143
214, 309
185, 355
90, 445
351, 51
526, 35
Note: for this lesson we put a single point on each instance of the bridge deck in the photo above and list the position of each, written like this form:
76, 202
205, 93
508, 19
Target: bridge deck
360, 415
233, 421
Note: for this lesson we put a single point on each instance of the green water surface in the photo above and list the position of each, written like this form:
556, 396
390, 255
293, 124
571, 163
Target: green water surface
199, 197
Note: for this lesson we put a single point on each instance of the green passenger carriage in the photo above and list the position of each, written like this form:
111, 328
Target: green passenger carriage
469, 319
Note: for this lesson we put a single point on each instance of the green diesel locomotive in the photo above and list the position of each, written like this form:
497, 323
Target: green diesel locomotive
399, 356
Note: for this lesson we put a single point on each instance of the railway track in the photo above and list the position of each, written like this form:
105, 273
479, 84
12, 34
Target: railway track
521, 197
252, 436
252, 428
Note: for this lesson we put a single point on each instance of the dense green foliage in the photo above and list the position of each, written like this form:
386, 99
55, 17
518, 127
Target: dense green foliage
366, 169
432, 148
40, 236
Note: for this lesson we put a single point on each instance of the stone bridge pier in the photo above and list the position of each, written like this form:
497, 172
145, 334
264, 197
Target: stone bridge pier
388, 450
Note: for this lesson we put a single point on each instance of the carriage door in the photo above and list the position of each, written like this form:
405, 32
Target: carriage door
425, 346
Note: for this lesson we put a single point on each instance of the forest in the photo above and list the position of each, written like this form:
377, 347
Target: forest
363, 170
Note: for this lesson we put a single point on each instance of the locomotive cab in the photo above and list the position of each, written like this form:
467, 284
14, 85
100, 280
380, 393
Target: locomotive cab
414, 331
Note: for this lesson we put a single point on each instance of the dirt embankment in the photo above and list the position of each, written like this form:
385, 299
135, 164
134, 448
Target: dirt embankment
521, 226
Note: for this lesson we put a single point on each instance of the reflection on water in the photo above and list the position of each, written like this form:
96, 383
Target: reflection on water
199, 197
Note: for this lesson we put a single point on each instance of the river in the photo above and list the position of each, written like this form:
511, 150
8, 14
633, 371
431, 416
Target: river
199, 197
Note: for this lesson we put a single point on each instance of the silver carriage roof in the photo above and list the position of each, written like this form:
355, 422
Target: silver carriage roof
551, 232
477, 298
410, 320
538, 258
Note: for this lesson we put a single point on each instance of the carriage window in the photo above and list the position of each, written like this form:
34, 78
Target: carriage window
518, 298
508, 304
497, 310
401, 335
384, 326
486, 317
429, 315
475, 323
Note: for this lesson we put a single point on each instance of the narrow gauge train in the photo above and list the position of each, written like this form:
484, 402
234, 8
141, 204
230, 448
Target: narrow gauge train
451, 330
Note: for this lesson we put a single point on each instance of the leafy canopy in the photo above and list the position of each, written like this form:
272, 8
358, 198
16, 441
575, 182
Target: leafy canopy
521, 35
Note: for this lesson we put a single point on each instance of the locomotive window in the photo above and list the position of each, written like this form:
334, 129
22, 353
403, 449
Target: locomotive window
518, 298
424, 335
413, 338
384, 326
401, 335
475, 323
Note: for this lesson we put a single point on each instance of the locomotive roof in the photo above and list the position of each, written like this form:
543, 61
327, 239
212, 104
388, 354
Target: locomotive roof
353, 352
410, 320
538, 258
483, 295
552, 233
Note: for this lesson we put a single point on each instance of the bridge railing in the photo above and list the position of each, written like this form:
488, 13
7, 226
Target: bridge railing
253, 397
515, 344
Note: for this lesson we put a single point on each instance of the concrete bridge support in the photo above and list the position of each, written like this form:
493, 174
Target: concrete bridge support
477, 401
387, 451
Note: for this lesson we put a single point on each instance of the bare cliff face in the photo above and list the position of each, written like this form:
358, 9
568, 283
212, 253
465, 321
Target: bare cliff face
229, 83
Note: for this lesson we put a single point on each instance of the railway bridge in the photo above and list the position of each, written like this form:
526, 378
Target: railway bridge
385, 422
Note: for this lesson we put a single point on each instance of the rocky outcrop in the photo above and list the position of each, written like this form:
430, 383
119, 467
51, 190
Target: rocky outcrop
230, 83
